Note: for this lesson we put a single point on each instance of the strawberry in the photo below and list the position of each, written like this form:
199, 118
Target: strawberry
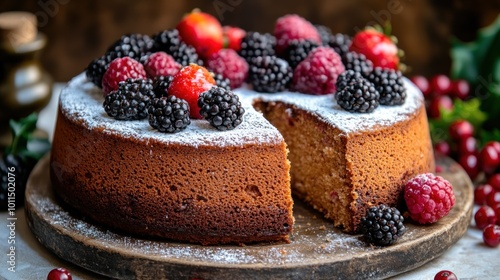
202, 31
232, 37
377, 47
189, 83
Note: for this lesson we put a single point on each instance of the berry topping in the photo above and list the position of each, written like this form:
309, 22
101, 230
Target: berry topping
131, 45
232, 37
96, 69
298, 50
189, 83
389, 83
202, 31
491, 235
120, 70
484, 216
317, 74
169, 114
428, 198
255, 44
230, 65
357, 62
340, 43
130, 101
377, 47
222, 108
222, 82
292, 27
161, 84
59, 274
358, 94
269, 74
382, 225
445, 275
161, 64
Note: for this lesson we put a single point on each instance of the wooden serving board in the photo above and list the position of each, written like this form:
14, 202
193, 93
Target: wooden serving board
317, 249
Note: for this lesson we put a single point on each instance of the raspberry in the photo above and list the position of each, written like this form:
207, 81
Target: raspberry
161, 64
120, 70
317, 74
389, 83
290, 27
428, 198
382, 225
230, 65
222, 108
269, 74
189, 83
255, 44
169, 114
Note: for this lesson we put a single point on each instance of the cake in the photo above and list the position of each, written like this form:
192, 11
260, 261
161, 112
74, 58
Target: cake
333, 147
199, 185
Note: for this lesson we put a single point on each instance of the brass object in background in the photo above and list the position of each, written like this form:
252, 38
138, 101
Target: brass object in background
25, 86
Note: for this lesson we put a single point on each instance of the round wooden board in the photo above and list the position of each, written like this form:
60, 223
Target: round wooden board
317, 250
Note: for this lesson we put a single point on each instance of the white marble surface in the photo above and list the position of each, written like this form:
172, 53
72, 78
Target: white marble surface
469, 258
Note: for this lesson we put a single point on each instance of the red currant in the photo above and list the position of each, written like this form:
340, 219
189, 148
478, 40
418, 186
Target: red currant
484, 216
441, 84
59, 274
493, 199
443, 148
491, 235
461, 129
467, 146
481, 193
490, 157
494, 181
460, 89
470, 164
422, 84
439, 103
445, 275
497, 213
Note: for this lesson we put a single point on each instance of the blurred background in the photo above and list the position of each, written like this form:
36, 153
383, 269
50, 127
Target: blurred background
79, 31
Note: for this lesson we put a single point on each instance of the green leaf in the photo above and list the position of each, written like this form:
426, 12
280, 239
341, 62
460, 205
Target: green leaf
487, 136
24, 143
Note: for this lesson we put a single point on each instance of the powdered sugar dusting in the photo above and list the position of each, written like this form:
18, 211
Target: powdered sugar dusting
326, 107
81, 102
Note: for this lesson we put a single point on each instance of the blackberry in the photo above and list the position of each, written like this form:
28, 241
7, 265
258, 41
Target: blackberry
161, 84
298, 50
132, 45
21, 168
357, 62
347, 78
222, 108
96, 69
222, 82
269, 74
389, 83
256, 44
186, 54
167, 41
130, 101
382, 225
340, 43
169, 114
324, 32
359, 95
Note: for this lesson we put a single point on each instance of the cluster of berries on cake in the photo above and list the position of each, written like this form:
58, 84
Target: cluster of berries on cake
297, 56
